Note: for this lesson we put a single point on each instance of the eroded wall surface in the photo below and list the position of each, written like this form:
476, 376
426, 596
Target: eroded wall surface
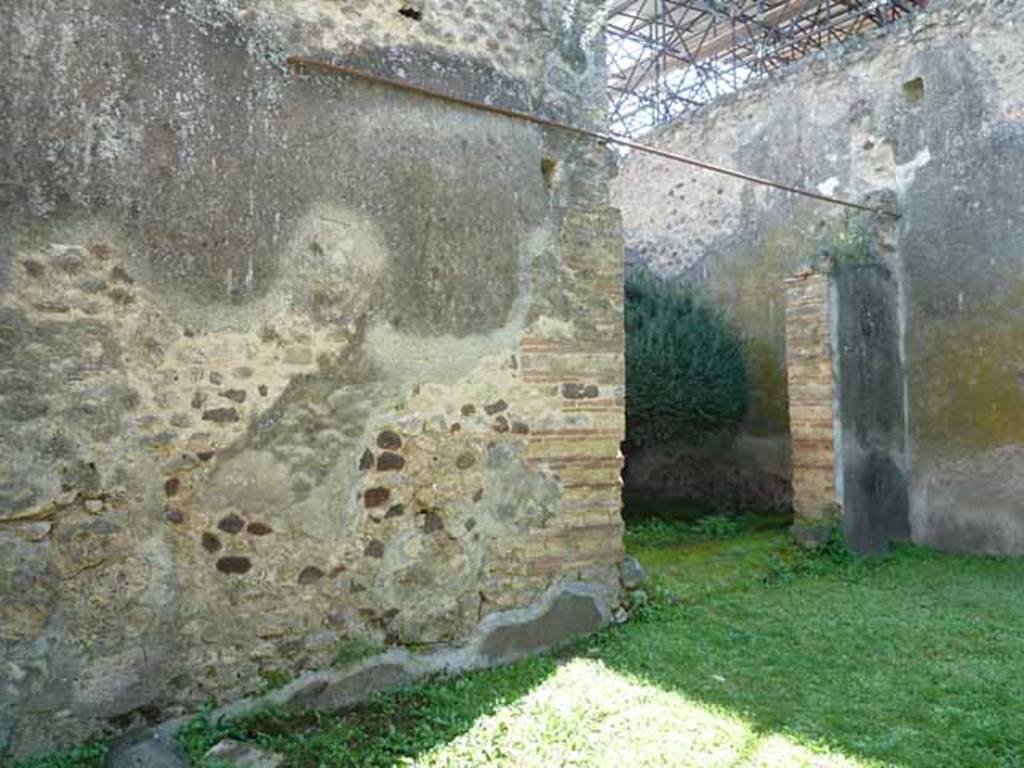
293, 366
932, 109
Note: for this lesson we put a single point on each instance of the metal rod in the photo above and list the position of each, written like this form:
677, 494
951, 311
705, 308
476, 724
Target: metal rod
606, 138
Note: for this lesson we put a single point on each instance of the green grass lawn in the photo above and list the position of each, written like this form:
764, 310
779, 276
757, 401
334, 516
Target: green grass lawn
747, 654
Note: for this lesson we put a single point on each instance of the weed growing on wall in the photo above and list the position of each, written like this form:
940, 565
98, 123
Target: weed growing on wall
685, 372
856, 244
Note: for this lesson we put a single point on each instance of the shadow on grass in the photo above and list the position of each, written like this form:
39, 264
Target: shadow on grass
914, 659
391, 726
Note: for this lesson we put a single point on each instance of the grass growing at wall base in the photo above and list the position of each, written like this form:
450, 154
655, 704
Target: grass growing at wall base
744, 652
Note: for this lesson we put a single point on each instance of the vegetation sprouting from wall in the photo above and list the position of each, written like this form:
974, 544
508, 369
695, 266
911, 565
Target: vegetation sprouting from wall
857, 243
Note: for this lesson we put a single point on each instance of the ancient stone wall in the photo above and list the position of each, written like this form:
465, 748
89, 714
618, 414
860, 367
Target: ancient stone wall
932, 110
295, 367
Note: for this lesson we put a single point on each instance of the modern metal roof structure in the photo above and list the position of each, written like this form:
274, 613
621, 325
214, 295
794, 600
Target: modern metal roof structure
668, 56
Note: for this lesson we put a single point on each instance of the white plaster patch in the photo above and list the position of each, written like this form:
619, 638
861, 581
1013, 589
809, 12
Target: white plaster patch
829, 186
905, 173
337, 260
552, 328
872, 161
445, 359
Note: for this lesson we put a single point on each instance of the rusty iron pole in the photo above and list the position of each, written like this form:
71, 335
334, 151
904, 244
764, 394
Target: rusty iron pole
605, 138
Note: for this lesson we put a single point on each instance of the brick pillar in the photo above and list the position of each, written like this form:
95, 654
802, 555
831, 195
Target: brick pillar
586, 371
811, 392
577, 373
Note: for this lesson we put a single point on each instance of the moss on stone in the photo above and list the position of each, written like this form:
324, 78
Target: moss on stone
969, 394
351, 650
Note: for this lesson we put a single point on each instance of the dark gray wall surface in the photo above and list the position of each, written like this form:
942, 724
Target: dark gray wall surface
208, 156
871, 410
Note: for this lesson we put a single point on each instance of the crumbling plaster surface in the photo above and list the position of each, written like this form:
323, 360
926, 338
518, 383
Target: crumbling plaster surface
844, 123
291, 363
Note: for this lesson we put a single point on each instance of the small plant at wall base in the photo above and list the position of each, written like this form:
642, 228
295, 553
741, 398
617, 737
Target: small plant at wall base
685, 371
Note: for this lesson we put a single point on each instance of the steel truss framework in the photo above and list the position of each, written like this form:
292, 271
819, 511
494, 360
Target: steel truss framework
669, 56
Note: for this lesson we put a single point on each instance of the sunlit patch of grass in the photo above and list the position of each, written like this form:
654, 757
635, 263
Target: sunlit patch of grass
590, 715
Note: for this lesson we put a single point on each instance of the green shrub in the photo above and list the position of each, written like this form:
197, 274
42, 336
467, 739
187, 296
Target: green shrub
685, 373
654, 532
717, 527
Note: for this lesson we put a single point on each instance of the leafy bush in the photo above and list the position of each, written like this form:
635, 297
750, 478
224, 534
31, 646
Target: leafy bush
717, 527
685, 373
654, 532
659, 533
832, 556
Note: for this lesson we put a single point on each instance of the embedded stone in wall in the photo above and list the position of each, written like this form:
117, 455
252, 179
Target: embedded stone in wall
568, 615
389, 462
234, 564
376, 497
